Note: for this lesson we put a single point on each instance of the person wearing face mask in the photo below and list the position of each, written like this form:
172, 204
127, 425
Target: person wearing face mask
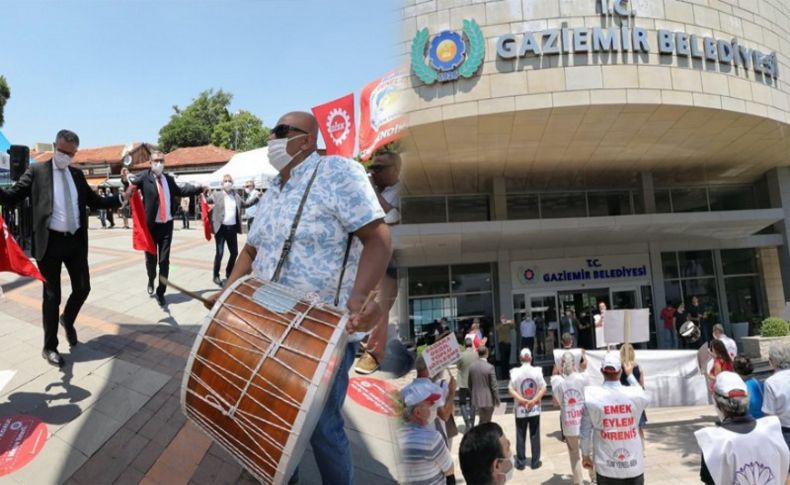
226, 225
485, 456
740, 448
252, 197
425, 458
339, 246
160, 200
527, 387
60, 195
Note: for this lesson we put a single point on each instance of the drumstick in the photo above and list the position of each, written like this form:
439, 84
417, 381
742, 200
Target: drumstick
188, 293
367, 300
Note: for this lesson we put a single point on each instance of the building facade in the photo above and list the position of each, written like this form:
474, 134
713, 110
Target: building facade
561, 153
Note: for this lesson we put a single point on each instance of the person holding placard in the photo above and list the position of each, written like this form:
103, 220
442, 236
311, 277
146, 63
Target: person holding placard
628, 357
468, 357
527, 387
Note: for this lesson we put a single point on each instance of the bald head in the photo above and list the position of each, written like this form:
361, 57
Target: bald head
302, 120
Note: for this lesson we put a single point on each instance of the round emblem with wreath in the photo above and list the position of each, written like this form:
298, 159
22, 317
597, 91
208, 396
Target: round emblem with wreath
447, 53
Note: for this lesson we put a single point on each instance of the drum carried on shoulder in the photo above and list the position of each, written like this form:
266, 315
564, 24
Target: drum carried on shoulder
260, 371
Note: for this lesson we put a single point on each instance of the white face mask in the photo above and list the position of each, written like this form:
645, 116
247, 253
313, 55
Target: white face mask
227, 186
61, 160
509, 474
278, 152
157, 168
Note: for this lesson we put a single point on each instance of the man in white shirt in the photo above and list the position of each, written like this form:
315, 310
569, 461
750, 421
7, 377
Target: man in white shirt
59, 194
253, 196
226, 225
568, 393
729, 344
384, 174
776, 399
740, 448
527, 329
609, 426
527, 388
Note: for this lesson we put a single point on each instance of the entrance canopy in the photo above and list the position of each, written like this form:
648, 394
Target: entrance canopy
251, 165
435, 243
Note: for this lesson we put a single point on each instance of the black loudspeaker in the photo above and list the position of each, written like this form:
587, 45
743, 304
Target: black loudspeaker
19, 160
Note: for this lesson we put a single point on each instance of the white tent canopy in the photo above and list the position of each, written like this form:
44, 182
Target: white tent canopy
244, 166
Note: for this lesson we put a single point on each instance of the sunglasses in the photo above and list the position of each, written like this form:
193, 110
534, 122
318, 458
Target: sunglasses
377, 168
281, 130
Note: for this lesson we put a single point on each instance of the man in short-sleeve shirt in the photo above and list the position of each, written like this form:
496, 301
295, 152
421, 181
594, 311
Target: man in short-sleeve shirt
340, 202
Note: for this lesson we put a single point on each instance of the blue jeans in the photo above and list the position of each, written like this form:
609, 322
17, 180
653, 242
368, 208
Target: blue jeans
670, 338
331, 447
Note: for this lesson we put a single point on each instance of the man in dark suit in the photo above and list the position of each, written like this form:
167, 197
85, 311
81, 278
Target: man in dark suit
59, 196
483, 386
160, 199
226, 224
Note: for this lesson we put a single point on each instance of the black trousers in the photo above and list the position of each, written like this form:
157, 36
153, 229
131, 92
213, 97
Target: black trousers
528, 343
111, 217
162, 233
184, 220
640, 480
504, 359
249, 224
226, 234
71, 251
533, 423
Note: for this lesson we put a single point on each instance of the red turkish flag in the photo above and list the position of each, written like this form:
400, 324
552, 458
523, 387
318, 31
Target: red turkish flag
13, 259
381, 117
141, 236
336, 121
204, 210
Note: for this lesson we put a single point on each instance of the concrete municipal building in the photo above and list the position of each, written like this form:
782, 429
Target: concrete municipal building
565, 152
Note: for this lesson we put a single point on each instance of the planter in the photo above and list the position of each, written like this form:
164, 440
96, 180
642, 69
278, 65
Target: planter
757, 347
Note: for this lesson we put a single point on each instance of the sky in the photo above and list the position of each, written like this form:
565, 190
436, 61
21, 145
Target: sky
111, 70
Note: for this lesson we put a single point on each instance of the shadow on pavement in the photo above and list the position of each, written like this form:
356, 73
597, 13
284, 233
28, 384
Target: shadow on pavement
38, 403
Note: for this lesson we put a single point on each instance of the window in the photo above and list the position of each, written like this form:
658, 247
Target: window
692, 275
459, 293
739, 261
423, 210
522, 206
609, 203
743, 301
690, 200
468, 208
663, 205
732, 198
555, 206
695, 263
669, 262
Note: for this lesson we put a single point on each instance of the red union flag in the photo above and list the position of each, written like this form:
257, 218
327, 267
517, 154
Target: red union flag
336, 120
381, 115
13, 259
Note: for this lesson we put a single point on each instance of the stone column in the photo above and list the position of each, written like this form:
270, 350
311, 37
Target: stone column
499, 200
648, 193
778, 181
772, 281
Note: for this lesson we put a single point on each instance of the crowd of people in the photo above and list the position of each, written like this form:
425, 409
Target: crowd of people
603, 426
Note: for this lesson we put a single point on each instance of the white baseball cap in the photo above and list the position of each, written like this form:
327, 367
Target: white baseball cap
419, 391
730, 384
611, 362
525, 352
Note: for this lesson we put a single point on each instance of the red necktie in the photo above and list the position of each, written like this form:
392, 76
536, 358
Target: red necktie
162, 215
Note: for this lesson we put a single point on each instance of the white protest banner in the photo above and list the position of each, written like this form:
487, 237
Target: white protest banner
627, 326
441, 355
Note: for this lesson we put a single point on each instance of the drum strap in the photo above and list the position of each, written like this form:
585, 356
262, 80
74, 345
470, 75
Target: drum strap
289, 242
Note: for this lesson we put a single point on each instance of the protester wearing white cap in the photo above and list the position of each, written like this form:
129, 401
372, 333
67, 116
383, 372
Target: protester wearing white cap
741, 449
612, 411
424, 458
568, 393
776, 400
527, 387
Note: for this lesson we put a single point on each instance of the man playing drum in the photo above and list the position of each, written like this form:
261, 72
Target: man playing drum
341, 203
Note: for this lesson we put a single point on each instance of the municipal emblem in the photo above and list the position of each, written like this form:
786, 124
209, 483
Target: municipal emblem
450, 54
527, 275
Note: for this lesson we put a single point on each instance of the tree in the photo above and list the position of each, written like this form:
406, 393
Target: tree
243, 131
194, 125
5, 93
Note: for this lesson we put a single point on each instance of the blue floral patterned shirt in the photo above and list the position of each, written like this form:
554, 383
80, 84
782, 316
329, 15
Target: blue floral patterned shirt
341, 201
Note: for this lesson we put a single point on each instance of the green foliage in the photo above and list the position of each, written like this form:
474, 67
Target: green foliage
243, 131
775, 327
5, 93
194, 125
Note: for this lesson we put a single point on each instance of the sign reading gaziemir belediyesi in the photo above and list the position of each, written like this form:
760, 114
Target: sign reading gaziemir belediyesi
625, 38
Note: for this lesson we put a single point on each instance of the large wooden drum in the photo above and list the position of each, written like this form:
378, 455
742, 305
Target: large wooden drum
259, 373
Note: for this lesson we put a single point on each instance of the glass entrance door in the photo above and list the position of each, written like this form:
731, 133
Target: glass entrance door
626, 299
542, 308
583, 305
